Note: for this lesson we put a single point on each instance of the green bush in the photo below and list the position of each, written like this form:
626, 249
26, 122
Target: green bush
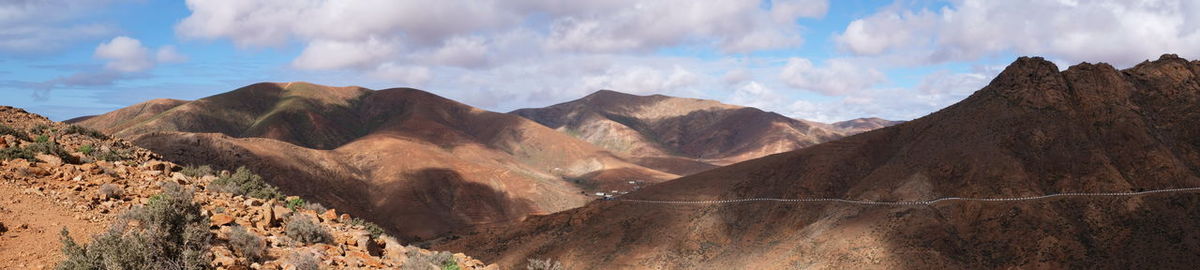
303, 229
247, 244
73, 129
6, 130
197, 171
245, 183
41, 129
296, 203
547, 264
375, 230
43, 138
172, 234
87, 149
16, 153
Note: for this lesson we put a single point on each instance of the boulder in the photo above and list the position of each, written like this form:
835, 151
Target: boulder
329, 216
49, 160
221, 219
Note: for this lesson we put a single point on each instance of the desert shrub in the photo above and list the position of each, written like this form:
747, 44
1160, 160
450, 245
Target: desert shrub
172, 234
196, 171
42, 139
243, 182
16, 153
304, 229
247, 244
547, 264
295, 203
87, 149
110, 190
304, 260
371, 227
73, 129
316, 207
6, 130
41, 129
420, 261
111, 155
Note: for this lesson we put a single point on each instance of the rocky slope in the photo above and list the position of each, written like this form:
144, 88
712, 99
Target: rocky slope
685, 135
1033, 130
419, 164
79, 190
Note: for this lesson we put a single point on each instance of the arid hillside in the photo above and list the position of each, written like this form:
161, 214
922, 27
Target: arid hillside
123, 207
417, 163
1034, 130
685, 135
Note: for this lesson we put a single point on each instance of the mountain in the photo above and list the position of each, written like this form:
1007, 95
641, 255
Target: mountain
91, 187
419, 164
1032, 131
678, 135
860, 125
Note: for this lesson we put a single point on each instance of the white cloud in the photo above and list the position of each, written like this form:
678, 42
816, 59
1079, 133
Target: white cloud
755, 94
641, 80
839, 77
125, 55
468, 33
1115, 31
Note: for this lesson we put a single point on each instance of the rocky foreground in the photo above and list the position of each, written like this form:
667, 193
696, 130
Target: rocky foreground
94, 179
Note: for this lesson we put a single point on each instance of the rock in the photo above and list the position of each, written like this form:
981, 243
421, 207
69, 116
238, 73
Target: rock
3, 143
226, 261
329, 216
267, 211
364, 258
393, 250
281, 212
344, 217
49, 160
252, 202
221, 219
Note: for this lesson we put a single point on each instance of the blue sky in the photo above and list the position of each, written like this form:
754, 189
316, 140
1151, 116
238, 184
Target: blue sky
812, 59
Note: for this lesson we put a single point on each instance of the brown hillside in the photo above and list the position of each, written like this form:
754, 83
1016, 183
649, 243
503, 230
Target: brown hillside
87, 191
1034, 130
678, 135
419, 164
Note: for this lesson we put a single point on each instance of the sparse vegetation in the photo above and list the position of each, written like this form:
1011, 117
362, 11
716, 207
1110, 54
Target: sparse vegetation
197, 171
247, 244
371, 227
28, 152
6, 130
171, 234
111, 155
73, 129
86, 149
420, 261
243, 182
302, 228
42, 138
41, 129
316, 207
295, 203
304, 260
547, 264
111, 191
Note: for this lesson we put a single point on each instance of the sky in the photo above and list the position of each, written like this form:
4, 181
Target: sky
812, 59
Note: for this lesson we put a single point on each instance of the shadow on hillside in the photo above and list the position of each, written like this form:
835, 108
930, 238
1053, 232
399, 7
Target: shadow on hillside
435, 201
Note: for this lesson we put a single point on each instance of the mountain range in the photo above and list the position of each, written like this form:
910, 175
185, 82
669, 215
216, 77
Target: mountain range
422, 165
1034, 130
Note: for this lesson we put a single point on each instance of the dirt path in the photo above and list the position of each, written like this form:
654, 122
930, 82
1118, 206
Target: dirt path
32, 223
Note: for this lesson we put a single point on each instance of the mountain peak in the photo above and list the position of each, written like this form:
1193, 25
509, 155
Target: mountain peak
1030, 81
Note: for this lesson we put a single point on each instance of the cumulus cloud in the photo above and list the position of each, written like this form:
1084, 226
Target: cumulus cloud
1115, 31
642, 80
838, 77
364, 35
125, 54
168, 54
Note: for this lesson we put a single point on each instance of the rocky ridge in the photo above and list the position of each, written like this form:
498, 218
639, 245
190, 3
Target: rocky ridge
96, 179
